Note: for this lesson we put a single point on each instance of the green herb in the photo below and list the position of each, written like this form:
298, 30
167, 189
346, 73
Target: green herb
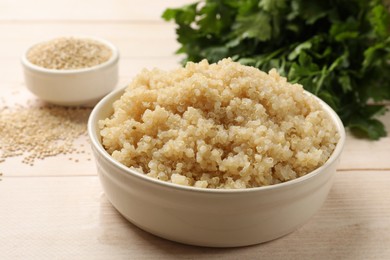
338, 50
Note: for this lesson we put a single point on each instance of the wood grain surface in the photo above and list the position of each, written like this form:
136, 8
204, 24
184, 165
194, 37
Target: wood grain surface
57, 209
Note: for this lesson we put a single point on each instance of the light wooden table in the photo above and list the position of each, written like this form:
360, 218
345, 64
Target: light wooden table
57, 209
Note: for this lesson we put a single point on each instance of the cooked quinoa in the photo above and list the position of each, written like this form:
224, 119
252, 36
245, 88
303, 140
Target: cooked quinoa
67, 53
221, 125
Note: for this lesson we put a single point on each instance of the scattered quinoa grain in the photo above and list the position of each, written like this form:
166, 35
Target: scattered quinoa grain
38, 132
67, 53
221, 125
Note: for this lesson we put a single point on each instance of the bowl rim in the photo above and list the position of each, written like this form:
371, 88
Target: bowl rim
96, 143
112, 60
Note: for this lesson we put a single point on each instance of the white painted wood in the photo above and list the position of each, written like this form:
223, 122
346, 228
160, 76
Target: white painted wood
70, 218
86, 10
57, 209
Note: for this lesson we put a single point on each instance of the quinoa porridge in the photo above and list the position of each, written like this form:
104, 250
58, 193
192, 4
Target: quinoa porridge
221, 125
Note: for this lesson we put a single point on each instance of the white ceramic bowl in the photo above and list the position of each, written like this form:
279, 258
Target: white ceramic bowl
72, 87
209, 217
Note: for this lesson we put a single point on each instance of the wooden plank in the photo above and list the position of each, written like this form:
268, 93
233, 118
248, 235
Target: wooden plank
132, 39
368, 154
70, 218
86, 10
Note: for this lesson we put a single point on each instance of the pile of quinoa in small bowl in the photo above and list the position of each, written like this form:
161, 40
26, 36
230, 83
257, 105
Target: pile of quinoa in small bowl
222, 126
69, 53
71, 71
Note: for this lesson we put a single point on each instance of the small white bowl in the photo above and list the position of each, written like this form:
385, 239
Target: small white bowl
72, 87
210, 217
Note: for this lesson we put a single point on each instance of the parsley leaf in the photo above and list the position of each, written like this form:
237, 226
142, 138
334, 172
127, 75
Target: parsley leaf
339, 50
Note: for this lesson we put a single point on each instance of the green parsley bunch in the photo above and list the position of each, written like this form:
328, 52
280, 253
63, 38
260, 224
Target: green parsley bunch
338, 50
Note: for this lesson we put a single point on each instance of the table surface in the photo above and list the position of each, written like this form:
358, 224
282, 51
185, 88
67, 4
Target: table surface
57, 209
